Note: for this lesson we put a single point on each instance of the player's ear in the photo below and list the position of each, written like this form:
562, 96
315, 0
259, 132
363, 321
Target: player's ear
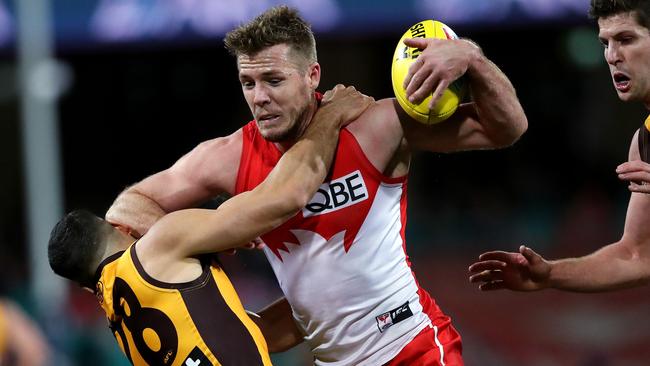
313, 73
126, 230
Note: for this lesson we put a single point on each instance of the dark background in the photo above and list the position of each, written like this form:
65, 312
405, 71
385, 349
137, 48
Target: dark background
133, 109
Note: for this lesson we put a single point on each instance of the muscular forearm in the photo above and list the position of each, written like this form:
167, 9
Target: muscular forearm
496, 101
134, 210
611, 268
303, 168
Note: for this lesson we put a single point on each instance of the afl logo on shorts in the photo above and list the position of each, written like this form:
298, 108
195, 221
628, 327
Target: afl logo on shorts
337, 194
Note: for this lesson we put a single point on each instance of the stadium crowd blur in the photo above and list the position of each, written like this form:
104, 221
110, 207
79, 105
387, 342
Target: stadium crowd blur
140, 105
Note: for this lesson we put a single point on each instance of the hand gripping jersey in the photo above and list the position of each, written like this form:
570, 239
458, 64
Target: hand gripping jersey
201, 322
341, 261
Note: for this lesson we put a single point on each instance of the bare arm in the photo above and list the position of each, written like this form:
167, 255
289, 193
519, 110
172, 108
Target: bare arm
24, 338
203, 173
278, 327
636, 171
623, 264
494, 119
289, 186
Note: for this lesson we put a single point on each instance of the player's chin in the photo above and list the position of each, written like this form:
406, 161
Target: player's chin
274, 134
270, 131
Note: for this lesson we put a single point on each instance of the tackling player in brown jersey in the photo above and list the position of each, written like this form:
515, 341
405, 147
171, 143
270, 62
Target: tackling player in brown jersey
166, 301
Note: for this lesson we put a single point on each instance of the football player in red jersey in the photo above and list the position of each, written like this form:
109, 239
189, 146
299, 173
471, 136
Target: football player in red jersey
341, 262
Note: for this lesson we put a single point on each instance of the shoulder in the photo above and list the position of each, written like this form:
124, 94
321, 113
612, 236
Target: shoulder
162, 251
379, 132
220, 145
213, 163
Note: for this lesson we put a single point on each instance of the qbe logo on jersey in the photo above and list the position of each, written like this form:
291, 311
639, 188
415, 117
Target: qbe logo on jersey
337, 194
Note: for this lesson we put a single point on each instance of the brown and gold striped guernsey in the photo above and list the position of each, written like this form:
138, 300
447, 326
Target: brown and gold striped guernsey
644, 141
201, 322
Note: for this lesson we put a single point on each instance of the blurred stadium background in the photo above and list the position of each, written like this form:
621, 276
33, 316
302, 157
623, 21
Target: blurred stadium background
97, 94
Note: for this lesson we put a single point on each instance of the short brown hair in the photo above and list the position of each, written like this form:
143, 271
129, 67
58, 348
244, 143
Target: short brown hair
605, 8
278, 25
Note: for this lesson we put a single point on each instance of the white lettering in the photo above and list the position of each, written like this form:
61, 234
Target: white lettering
191, 362
337, 194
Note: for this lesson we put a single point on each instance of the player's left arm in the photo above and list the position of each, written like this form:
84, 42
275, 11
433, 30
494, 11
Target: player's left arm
494, 118
619, 265
278, 326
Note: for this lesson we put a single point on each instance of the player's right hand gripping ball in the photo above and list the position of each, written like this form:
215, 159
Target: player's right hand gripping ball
405, 56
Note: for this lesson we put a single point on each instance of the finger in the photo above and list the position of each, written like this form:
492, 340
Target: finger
635, 176
633, 165
496, 255
420, 43
491, 286
413, 77
424, 89
531, 256
639, 188
428, 81
487, 276
329, 95
486, 265
437, 94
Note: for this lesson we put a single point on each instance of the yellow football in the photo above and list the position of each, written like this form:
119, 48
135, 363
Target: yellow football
405, 56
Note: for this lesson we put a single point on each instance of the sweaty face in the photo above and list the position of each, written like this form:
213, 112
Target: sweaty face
627, 51
279, 90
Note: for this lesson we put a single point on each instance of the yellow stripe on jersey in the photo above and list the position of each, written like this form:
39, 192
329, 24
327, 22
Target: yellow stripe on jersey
197, 322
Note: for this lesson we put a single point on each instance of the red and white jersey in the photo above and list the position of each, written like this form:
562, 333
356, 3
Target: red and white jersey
341, 261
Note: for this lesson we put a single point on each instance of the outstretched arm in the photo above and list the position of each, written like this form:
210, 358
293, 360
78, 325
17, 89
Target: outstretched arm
289, 186
495, 118
623, 264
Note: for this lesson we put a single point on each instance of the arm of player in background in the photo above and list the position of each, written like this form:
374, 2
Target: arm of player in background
623, 264
289, 186
24, 338
203, 173
278, 326
493, 119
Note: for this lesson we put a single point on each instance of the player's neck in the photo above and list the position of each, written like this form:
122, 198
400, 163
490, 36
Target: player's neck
117, 242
